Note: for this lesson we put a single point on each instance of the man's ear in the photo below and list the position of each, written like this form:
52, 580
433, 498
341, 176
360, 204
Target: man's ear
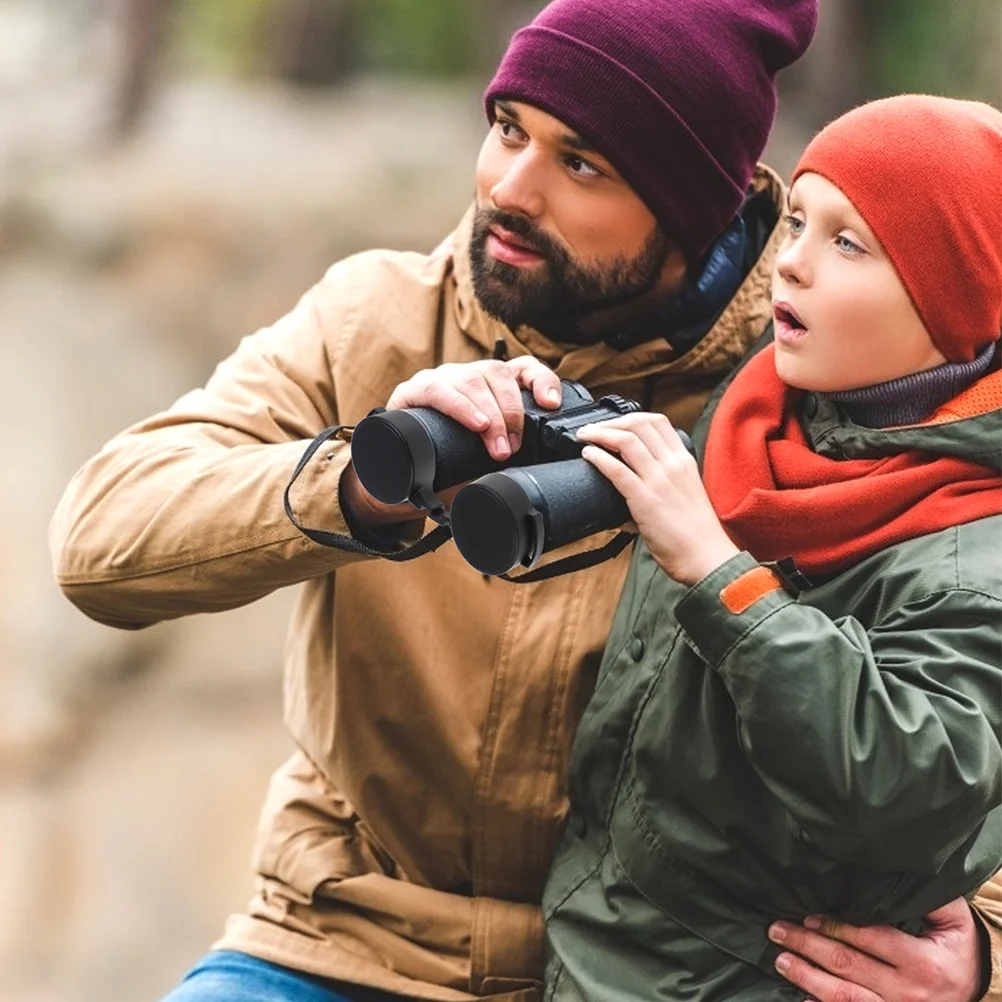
674, 271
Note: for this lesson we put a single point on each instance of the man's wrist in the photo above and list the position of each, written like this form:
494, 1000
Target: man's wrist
371, 522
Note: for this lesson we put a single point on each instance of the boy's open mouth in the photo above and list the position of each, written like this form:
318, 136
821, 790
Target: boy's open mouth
789, 326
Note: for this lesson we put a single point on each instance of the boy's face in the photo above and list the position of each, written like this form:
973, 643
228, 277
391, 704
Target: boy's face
559, 235
843, 317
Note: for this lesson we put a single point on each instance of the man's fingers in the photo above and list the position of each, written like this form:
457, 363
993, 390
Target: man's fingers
533, 375
831, 954
444, 398
881, 941
505, 389
819, 984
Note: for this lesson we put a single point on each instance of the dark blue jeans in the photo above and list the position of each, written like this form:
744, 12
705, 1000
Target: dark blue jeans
227, 976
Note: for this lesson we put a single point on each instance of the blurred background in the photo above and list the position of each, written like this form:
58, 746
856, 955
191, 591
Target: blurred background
173, 175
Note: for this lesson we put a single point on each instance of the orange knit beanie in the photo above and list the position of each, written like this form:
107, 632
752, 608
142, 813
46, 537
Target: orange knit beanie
926, 175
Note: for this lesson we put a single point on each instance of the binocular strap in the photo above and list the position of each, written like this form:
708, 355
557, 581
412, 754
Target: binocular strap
432, 541
439, 535
577, 562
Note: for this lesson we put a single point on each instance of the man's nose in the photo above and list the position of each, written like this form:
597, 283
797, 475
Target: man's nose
520, 188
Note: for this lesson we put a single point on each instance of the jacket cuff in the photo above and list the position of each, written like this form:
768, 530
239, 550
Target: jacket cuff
990, 952
387, 539
717, 613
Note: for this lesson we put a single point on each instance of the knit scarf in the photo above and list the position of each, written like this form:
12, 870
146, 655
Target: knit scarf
776, 497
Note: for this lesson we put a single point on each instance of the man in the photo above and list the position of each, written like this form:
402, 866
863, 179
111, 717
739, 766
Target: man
621, 236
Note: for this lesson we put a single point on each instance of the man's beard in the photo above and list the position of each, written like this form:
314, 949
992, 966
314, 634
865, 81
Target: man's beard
556, 295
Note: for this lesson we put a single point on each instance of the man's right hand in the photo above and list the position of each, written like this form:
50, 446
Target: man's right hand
484, 397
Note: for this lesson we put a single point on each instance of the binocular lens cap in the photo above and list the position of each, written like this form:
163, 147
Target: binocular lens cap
490, 524
392, 455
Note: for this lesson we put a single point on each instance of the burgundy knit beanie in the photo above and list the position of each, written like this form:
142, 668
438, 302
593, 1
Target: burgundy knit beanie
679, 95
926, 175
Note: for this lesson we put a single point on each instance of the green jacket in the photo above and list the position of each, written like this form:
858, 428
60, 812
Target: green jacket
835, 752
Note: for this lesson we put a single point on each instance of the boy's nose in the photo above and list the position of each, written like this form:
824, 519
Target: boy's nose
792, 265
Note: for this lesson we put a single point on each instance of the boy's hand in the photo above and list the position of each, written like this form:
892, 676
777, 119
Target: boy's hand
647, 463
882, 964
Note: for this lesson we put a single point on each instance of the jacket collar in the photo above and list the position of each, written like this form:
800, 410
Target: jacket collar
967, 427
742, 321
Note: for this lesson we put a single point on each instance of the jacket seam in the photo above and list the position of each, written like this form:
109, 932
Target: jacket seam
578, 881
651, 839
551, 739
629, 633
155, 569
618, 783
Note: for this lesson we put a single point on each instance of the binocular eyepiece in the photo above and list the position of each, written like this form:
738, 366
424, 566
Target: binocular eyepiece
542, 497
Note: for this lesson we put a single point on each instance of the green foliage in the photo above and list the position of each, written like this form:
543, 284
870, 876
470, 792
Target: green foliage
418, 37
220, 34
434, 38
944, 46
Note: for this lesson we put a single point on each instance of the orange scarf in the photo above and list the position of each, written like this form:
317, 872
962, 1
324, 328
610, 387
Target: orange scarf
776, 497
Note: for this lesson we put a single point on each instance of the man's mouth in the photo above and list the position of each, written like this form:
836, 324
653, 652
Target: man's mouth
503, 245
788, 327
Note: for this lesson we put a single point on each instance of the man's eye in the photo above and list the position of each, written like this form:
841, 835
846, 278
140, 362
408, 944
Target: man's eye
581, 167
509, 130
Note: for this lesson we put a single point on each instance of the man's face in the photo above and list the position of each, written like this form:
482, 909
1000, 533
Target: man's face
559, 236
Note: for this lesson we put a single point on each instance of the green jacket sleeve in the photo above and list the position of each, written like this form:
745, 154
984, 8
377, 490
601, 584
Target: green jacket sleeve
883, 745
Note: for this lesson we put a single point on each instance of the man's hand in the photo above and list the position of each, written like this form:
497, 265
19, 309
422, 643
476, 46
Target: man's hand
482, 396
882, 964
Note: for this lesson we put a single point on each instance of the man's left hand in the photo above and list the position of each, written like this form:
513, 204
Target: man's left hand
838, 962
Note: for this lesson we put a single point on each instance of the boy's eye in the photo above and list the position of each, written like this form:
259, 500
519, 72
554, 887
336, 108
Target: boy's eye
795, 223
847, 246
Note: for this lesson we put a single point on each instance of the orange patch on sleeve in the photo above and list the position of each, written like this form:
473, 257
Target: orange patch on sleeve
742, 593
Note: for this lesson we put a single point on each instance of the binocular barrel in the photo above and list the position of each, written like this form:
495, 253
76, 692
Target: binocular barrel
512, 517
396, 452
542, 497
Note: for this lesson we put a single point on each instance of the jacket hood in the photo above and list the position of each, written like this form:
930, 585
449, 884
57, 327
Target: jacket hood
742, 321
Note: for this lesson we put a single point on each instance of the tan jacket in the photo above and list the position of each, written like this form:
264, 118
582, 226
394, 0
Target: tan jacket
406, 844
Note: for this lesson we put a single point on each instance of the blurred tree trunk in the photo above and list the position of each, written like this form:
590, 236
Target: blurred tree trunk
141, 31
496, 21
835, 75
310, 42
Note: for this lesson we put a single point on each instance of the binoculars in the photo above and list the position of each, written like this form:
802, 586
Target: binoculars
543, 497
